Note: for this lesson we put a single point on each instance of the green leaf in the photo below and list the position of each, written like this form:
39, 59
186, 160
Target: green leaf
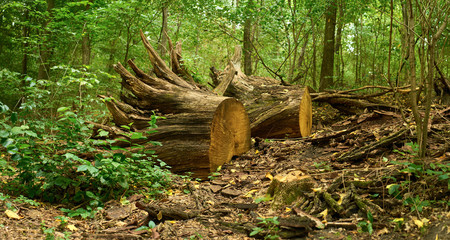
62, 109
151, 224
31, 133
137, 135
7, 142
82, 168
103, 133
91, 195
13, 117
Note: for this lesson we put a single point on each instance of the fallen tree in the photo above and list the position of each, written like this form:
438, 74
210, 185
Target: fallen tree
200, 130
275, 110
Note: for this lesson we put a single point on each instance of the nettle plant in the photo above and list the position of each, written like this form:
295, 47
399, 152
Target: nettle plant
49, 165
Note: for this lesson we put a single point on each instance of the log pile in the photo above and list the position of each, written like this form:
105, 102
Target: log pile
203, 129
200, 130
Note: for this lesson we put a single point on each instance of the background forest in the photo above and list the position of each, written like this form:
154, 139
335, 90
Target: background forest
70, 46
57, 56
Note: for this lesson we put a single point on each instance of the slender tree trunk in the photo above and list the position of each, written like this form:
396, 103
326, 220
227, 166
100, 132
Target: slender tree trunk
356, 38
340, 25
326, 73
44, 48
314, 57
412, 69
86, 42
164, 30
25, 34
247, 43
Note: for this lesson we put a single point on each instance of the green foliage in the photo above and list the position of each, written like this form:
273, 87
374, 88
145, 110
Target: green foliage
269, 228
149, 226
45, 164
366, 226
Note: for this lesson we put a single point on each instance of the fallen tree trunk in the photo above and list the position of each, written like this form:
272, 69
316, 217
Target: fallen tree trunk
275, 110
200, 130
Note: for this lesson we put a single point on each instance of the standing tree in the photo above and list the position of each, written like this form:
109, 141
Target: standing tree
44, 48
326, 73
247, 40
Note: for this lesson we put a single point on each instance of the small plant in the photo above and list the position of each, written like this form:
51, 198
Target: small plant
366, 226
416, 204
84, 213
269, 228
49, 232
63, 221
149, 226
323, 166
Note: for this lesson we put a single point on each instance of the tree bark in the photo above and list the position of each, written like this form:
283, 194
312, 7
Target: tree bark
164, 29
337, 48
247, 40
326, 73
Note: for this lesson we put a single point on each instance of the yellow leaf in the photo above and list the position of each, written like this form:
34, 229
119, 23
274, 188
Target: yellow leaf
250, 193
159, 215
256, 152
12, 214
269, 176
418, 223
317, 189
219, 168
324, 213
172, 221
210, 202
256, 182
287, 210
398, 220
341, 197
72, 227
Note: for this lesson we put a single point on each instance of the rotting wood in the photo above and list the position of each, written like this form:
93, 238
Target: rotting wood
365, 150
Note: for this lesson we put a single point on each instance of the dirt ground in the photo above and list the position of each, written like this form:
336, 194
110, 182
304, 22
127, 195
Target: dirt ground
234, 201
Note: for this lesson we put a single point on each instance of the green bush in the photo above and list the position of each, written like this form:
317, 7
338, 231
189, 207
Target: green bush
47, 164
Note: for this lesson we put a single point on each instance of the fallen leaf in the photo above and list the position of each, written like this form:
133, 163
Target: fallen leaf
12, 214
159, 215
287, 210
72, 227
250, 193
269, 176
324, 213
418, 223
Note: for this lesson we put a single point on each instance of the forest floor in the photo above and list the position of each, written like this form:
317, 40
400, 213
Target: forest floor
234, 202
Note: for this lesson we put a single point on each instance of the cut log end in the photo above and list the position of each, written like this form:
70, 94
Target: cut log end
230, 133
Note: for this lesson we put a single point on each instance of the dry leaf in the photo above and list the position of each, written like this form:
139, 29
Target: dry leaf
12, 214
418, 223
159, 215
250, 193
72, 227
